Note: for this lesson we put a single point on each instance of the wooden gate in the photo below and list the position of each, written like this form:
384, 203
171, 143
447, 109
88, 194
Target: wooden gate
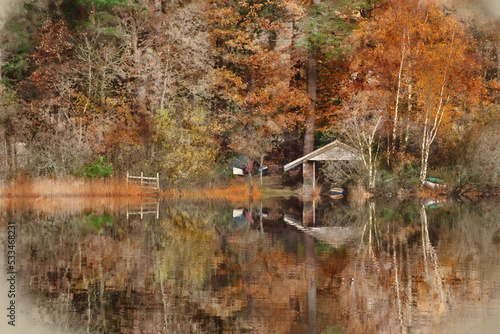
149, 185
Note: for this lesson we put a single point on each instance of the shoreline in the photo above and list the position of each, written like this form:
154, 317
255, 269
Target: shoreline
235, 190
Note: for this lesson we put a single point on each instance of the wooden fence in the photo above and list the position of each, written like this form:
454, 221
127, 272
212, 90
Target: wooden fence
148, 185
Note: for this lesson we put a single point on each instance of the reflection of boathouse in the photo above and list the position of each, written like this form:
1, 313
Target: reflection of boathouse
335, 151
335, 236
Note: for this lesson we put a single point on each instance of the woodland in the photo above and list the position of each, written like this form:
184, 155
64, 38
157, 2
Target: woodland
180, 87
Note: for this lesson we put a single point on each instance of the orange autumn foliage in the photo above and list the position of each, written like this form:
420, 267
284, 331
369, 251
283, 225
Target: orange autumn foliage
427, 61
430, 50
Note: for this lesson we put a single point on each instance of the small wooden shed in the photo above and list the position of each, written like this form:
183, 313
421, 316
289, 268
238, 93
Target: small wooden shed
335, 151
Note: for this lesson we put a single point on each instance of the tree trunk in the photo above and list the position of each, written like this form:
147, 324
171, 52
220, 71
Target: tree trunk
158, 8
310, 274
312, 85
261, 164
250, 182
371, 184
140, 84
260, 218
166, 79
425, 162
396, 109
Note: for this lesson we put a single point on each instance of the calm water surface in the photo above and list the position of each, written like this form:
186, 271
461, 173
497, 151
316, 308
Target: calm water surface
273, 267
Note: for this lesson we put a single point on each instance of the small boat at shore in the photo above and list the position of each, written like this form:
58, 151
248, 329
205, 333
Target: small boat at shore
432, 203
433, 183
337, 193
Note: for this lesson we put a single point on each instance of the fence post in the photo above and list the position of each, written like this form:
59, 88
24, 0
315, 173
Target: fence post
157, 185
142, 180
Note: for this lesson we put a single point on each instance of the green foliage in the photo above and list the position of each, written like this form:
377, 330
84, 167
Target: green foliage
20, 43
411, 214
388, 213
324, 247
17, 37
224, 170
8, 103
325, 28
401, 176
16, 67
322, 138
98, 169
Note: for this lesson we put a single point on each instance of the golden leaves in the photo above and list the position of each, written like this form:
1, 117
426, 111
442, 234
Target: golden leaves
433, 48
186, 143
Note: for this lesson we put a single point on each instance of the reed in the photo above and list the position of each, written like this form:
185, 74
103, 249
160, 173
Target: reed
72, 187
25, 187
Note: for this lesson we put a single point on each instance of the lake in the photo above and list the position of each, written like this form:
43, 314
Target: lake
278, 266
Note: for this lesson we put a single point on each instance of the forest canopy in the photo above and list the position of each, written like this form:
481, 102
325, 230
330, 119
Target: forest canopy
180, 87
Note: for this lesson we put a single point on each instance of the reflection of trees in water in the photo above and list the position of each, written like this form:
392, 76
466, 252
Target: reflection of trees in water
110, 272
194, 271
188, 246
388, 292
401, 280
338, 213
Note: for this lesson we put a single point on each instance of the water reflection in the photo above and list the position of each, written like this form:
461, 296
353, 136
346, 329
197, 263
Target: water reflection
193, 267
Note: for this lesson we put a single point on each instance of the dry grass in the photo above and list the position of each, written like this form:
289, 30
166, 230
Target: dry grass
68, 187
73, 188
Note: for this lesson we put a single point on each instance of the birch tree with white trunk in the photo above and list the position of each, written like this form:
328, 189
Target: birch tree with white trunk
364, 117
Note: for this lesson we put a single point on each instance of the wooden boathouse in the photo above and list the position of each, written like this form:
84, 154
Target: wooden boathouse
335, 151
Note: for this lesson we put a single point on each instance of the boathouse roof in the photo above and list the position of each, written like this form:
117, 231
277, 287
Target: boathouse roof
336, 150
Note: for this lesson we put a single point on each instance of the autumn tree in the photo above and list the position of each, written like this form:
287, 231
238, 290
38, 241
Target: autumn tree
252, 80
8, 112
185, 146
426, 59
323, 30
187, 57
